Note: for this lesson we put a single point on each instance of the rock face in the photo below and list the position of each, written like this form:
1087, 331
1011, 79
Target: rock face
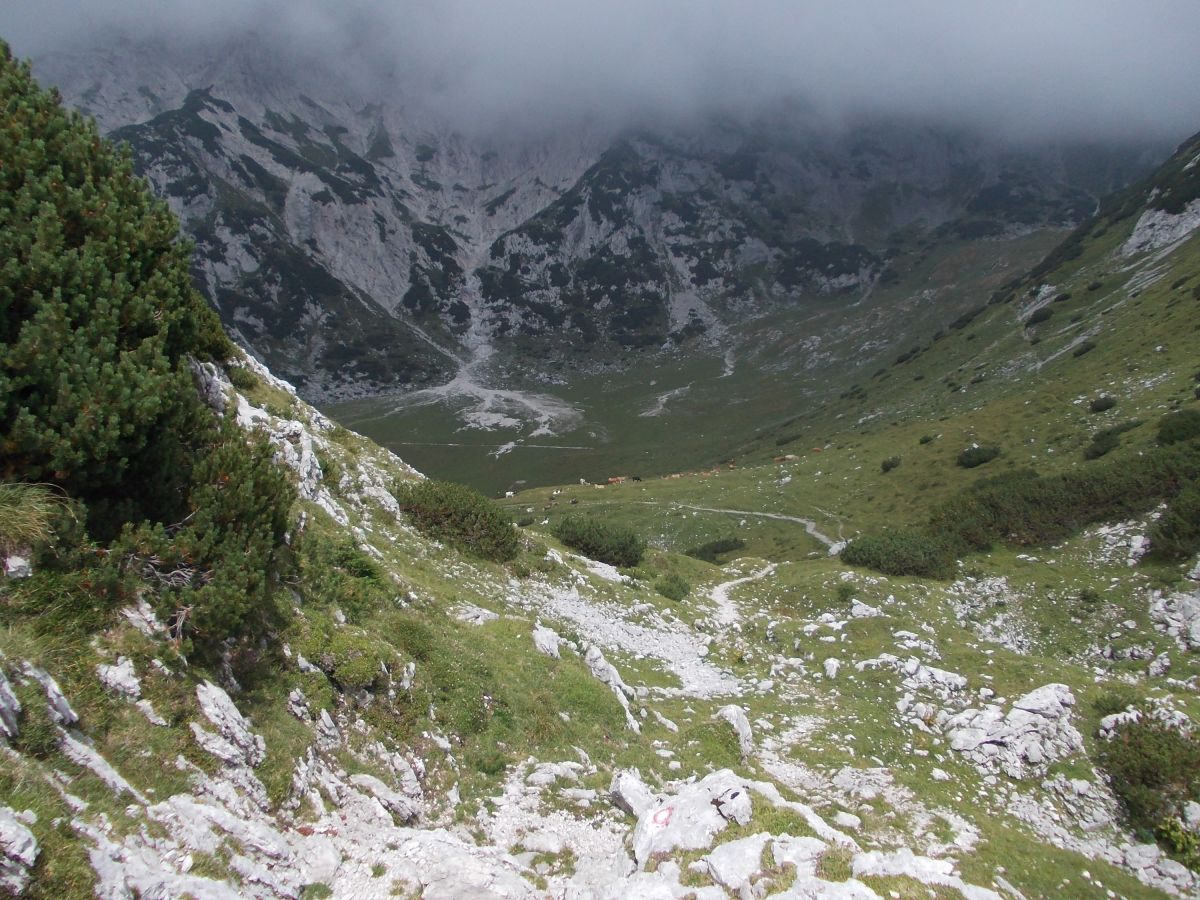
1035, 732
1178, 615
10, 709
316, 205
120, 679
233, 743
691, 818
18, 852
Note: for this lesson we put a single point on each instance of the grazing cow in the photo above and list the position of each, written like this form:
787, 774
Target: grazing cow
636, 478
508, 494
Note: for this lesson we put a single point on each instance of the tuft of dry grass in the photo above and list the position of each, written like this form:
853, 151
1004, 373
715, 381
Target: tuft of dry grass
26, 511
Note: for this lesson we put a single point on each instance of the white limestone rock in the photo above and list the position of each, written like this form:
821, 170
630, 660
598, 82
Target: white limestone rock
17, 565
602, 669
735, 863
629, 793
1035, 732
234, 742
1159, 666
802, 852
18, 852
394, 802
56, 703
1178, 616
84, 755
474, 615
905, 863
736, 717
142, 617
1157, 228
689, 819
546, 640
846, 820
120, 679
1191, 815
10, 710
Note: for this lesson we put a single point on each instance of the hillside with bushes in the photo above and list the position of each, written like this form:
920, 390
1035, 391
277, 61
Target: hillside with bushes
927, 642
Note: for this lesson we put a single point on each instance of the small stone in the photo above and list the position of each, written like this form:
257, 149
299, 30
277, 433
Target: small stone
847, 820
120, 679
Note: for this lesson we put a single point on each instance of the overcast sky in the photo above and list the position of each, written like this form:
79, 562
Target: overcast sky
1050, 68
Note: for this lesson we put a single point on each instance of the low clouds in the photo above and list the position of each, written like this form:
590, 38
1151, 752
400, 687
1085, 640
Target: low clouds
1070, 69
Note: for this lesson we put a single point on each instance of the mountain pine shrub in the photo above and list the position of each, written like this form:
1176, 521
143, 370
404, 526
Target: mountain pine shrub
673, 587
977, 456
1177, 534
710, 551
1108, 439
904, 551
1177, 427
213, 573
97, 315
1102, 403
605, 541
1153, 769
1024, 508
461, 517
98, 324
888, 464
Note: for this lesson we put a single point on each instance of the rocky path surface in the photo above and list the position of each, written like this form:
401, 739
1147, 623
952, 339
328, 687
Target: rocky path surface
726, 609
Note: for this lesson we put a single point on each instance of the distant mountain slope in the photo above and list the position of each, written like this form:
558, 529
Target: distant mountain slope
363, 246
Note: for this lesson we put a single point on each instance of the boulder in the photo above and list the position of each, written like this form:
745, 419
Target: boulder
736, 717
18, 852
689, 819
546, 640
629, 793
234, 742
120, 679
17, 565
394, 802
10, 710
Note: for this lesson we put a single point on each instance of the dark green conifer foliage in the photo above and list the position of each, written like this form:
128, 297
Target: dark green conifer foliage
98, 322
97, 311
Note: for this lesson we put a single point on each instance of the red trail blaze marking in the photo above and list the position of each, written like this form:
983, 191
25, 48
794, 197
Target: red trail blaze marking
663, 816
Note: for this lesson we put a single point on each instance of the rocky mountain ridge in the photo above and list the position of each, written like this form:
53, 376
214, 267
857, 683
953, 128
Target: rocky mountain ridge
360, 245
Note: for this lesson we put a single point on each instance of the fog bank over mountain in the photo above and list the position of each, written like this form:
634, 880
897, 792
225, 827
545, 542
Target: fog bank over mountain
1071, 70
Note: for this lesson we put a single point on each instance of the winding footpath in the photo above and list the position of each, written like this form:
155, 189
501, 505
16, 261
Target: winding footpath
727, 612
810, 526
